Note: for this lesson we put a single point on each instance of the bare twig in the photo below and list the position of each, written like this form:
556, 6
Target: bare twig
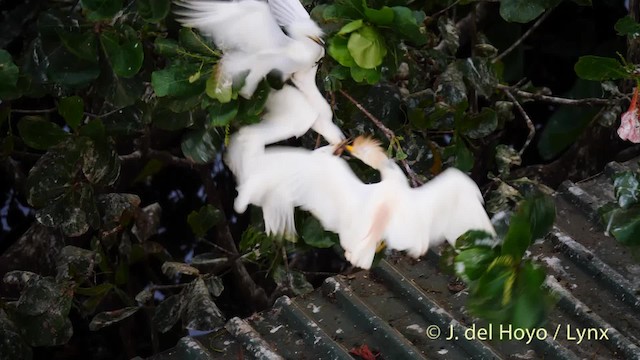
163, 156
445, 9
102, 115
532, 129
557, 100
524, 36
34, 111
415, 181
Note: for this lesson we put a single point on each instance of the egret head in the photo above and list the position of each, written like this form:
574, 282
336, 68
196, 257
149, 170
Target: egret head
369, 151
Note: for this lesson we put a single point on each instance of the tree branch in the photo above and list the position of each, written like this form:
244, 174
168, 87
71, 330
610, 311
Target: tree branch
415, 181
163, 156
527, 119
557, 100
517, 43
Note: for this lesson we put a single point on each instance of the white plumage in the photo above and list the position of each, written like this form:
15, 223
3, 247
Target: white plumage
248, 32
362, 214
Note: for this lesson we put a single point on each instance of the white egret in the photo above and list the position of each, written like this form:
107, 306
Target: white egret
362, 214
288, 113
248, 32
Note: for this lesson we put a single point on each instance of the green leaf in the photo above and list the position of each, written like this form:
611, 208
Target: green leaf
518, 237
463, 157
39, 133
198, 146
626, 188
192, 41
114, 206
314, 235
627, 26
222, 114
521, 11
169, 312
72, 110
101, 9
8, 75
201, 312
214, 284
167, 47
481, 74
623, 224
367, 47
174, 81
351, 27
76, 263
100, 162
73, 213
203, 220
477, 126
219, 87
471, 264
53, 174
98, 290
407, 23
83, 45
338, 50
599, 68
153, 10
451, 86
124, 50
370, 76
382, 17
449, 34
107, 318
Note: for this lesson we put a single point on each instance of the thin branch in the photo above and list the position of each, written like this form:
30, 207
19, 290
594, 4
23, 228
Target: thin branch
524, 36
34, 111
415, 181
163, 156
557, 100
445, 9
103, 115
532, 129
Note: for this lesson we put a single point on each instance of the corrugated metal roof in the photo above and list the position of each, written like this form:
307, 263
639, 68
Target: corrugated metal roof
404, 308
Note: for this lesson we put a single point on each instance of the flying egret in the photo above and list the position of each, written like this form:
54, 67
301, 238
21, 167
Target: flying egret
362, 214
249, 34
288, 113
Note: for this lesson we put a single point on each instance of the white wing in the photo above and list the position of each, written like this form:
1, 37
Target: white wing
287, 114
442, 209
246, 26
287, 12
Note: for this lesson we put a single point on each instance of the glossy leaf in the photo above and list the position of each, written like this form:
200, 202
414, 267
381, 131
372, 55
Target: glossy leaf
107, 318
222, 114
477, 126
627, 26
338, 50
167, 47
351, 27
518, 237
76, 263
198, 146
599, 68
84, 45
214, 285
626, 186
314, 235
204, 219
367, 47
12, 346
471, 264
293, 280
174, 80
73, 213
101, 9
53, 173
39, 133
72, 110
382, 17
169, 312
219, 87
201, 313
100, 162
153, 10
192, 41
124, 51
540, 210
522, 11
407, 23
623, 224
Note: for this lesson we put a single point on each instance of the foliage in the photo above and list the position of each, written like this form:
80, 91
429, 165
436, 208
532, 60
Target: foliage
100, 99
622, 218
505, 287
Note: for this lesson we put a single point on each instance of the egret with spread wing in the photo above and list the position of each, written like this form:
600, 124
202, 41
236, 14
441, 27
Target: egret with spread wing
362, 214
249, 34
